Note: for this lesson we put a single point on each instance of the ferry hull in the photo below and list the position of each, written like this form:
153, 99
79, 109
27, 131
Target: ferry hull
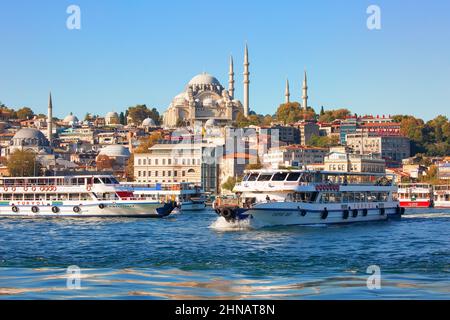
193, 206
442, 204
270, 215
416, 204
112, 209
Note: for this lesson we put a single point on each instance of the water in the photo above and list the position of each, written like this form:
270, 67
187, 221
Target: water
197, 256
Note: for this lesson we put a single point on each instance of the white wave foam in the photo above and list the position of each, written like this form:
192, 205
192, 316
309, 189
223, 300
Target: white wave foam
223, 225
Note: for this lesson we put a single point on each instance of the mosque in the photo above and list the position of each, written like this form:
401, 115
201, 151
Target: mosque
204, 98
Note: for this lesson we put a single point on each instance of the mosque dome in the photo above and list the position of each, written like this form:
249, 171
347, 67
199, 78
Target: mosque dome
115, 151
149, 122
111, 114
70, 119
29, 137
204, 79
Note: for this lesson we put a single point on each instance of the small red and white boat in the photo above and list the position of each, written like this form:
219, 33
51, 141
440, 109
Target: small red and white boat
415, 195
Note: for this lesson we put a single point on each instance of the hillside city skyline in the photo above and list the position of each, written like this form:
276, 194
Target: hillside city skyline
147, 60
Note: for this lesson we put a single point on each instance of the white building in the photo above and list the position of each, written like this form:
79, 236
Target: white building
294, 155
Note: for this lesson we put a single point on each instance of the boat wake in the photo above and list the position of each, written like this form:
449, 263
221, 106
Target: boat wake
223, 225
436, 215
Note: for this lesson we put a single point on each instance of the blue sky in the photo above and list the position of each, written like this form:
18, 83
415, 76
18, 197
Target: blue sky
133, 52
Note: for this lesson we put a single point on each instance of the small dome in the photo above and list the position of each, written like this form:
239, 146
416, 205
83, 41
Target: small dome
149, 122
211, 123
112, 114
115, 151
204, 78
70, 119
29, 133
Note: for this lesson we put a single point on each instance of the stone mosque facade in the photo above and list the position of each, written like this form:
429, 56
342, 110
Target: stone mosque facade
204, 98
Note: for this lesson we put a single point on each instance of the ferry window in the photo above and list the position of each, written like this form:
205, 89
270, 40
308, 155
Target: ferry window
334, 198
351, 197
74, 196
28, 197
40, 197
7, 196
264, 177
293, 176
81, 181
97, 181
18, 196
253, 177
280, 176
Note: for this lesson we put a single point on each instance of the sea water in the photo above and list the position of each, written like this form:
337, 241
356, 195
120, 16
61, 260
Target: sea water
200, 256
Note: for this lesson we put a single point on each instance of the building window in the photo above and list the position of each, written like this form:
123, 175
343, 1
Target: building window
169, 161
144, 162
139, 173
169, 173
156, 161
163, 173
183, 173
149, 173
163, 161
156, 173
175, 173
149, 162
143, 173
139, 162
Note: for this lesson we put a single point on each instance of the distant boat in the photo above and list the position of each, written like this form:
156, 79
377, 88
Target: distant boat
188, 196
75, 196
299, 197
441, 195
415, 195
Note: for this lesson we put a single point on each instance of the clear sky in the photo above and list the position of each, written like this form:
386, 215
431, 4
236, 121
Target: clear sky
144, 52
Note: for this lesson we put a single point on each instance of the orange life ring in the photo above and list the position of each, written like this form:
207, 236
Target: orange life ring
54, 188
13, 189
5, 188
42, 188
88, 187
33, 188
25, 188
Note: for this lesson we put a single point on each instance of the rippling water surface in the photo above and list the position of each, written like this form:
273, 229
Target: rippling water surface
197, 255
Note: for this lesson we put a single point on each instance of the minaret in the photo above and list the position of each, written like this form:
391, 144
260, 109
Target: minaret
231, 79
287, 94
49, 119
305, 93
246, 82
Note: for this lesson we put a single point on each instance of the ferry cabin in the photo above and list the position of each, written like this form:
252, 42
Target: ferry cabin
80, 196
415, 195
311, 197
441, 196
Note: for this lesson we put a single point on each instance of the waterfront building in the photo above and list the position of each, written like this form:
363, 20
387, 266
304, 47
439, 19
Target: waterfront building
394, 148
307, 131
177, 162
349, 162
294, 156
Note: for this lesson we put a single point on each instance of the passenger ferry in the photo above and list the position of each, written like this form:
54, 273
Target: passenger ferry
441, 196
300, 197
415, 195
188, 196
75, 196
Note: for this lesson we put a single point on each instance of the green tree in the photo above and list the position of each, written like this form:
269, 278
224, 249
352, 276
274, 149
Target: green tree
148, 142
331, 115
122, 119
140, 112
229, 184
24, 113
323, 142
23, 163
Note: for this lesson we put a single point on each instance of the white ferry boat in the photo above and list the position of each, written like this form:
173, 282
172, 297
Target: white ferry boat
441, 196
415, 195
311, 197
188, 196
75, 196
